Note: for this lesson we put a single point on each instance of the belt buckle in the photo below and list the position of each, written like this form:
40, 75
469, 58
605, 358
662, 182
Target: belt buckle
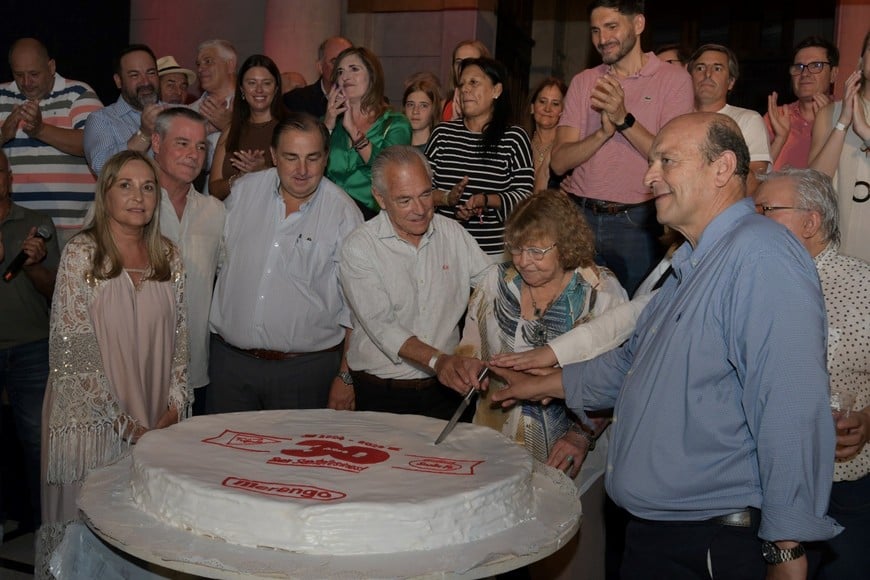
741, 519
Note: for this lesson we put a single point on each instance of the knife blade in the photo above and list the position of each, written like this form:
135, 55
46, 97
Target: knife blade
461, 409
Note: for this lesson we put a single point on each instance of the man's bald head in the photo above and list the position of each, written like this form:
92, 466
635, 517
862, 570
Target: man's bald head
32, 68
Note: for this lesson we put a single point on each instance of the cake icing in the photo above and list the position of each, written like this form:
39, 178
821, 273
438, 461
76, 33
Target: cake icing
332, 482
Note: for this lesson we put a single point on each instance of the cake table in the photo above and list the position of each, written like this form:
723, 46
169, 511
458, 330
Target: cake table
111, 513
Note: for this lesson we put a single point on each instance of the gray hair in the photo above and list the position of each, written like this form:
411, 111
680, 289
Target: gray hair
401, 155
814, 192
165, 118
225, 49
733, 63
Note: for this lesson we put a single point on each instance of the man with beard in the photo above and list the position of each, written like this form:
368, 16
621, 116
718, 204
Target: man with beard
612, 113
129, 122
714, 71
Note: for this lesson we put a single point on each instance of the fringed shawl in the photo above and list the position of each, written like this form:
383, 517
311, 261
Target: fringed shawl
86, 426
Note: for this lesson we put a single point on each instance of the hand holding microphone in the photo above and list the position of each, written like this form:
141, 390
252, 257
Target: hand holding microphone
33, 249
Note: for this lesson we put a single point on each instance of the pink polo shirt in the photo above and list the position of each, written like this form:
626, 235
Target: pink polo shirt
796, 150
656, 94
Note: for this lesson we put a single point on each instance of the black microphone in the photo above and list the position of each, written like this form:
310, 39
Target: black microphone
43, 232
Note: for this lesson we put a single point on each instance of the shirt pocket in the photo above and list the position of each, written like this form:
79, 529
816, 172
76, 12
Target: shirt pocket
308, 260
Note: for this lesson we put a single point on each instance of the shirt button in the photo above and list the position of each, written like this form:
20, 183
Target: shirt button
262, 297
276, 244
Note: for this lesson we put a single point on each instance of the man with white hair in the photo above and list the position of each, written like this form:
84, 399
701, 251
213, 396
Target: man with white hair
216, 62
804, 201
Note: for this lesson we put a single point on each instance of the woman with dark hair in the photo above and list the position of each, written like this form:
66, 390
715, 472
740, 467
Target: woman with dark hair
482, 164
361, 124
118, 348
243, 147
546, 104
841, 150
421, 102
461, 52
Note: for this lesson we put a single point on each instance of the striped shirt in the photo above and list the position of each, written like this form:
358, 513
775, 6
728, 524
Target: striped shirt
456, 152
47, 179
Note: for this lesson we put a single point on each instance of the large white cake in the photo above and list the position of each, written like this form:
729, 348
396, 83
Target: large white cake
331, 482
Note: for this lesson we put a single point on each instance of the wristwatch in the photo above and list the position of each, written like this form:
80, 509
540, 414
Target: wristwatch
346, 378
773, 554
627, 123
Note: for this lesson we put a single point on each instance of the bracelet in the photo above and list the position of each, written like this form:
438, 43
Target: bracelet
590, 437
142, 136
485, 201
434, 360
839, 126
360, 143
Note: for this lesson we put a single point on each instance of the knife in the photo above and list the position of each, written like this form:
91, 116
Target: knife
462, 406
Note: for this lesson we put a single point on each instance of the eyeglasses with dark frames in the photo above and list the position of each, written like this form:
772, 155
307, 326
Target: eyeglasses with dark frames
797, 69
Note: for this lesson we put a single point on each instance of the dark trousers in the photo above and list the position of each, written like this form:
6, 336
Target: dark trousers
847, 555
241, 382
681, 551
434, 400
24, 374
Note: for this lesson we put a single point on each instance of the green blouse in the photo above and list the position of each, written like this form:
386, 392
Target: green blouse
345, 166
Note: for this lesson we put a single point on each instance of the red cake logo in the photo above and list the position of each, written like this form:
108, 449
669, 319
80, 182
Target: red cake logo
440, 465
285, 490
246, 441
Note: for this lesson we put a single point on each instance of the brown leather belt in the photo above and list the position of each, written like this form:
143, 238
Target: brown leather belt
600, 206
264, 354
413, 384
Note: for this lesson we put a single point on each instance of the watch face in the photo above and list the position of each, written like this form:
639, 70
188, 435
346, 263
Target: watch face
770, 552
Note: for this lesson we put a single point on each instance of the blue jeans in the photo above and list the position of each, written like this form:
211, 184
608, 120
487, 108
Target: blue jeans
24, 373
627, 242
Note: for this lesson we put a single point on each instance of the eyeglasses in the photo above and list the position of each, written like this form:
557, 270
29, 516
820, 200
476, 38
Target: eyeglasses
797, 69
766, 209
536, 254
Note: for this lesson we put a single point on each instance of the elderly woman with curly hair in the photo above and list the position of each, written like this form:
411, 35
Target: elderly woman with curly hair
550, 286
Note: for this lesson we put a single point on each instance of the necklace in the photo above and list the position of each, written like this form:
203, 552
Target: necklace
539, 312
540, 149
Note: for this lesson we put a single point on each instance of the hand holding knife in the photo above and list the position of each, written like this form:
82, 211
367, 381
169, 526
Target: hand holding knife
461, 409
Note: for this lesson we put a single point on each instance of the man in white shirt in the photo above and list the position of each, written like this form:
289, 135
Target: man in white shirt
714, 71
279, 318
804, 201
216, 62
407, 274
194, 222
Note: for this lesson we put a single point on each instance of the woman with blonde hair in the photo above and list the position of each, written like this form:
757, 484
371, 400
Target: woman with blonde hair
118, 347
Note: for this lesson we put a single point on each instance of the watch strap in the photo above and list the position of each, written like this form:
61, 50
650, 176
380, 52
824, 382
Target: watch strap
627, 123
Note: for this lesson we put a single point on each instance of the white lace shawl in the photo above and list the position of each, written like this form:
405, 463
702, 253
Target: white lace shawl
85, 422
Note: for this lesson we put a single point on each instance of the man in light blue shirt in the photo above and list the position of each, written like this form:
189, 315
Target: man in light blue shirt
723, 441
278, 318
128, 122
